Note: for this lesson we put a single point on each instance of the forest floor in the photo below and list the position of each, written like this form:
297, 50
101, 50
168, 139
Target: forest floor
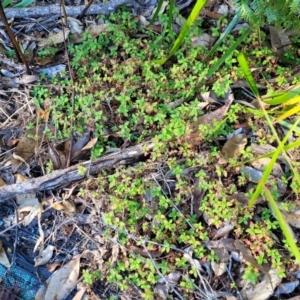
121, 178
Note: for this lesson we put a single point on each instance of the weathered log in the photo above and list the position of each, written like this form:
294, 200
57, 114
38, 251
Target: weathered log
50, 10
61, 177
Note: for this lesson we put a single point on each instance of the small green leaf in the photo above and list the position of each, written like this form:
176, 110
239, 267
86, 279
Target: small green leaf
171, 8
283, 225
246, 70
160, 3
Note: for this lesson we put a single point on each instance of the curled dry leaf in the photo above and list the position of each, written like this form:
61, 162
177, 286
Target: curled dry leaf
194, 262
94, 31
37, 209
219, 268
61, 283
3, 257
247, 255
58, 206
45, 256
162, 289
26, 146
223, 230
90, 144
66, 205
52, 267
20, 178
74, 25
264, 289
192, 135
56, 38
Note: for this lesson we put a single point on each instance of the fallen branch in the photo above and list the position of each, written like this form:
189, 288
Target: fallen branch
60, 177
50, 10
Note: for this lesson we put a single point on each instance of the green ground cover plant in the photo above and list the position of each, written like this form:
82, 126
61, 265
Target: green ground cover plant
130, 98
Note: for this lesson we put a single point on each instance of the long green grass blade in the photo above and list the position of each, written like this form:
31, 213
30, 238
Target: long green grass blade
276, 153
248, 75
217, 65
287, 114
282, 223
224, 34
171, 8
24, 3
282, 97
189, 22
5, 3
160, 3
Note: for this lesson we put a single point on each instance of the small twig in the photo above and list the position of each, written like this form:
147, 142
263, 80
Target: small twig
16, 45
85, 9
231, 278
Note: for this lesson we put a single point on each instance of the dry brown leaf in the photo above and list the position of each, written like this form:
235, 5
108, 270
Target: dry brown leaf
94, 31
279, 39
63, 281
45, 256
33, 213
56, 38
43, 114
43, 61
26, 147
247, 255
12, 142
192, 135
74, 25
3, 257
2, 182
234, 146
25, 79
80, 294
264, 289
52, 267
58, 206
90, 144
219, 268
69, 206
20, 178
